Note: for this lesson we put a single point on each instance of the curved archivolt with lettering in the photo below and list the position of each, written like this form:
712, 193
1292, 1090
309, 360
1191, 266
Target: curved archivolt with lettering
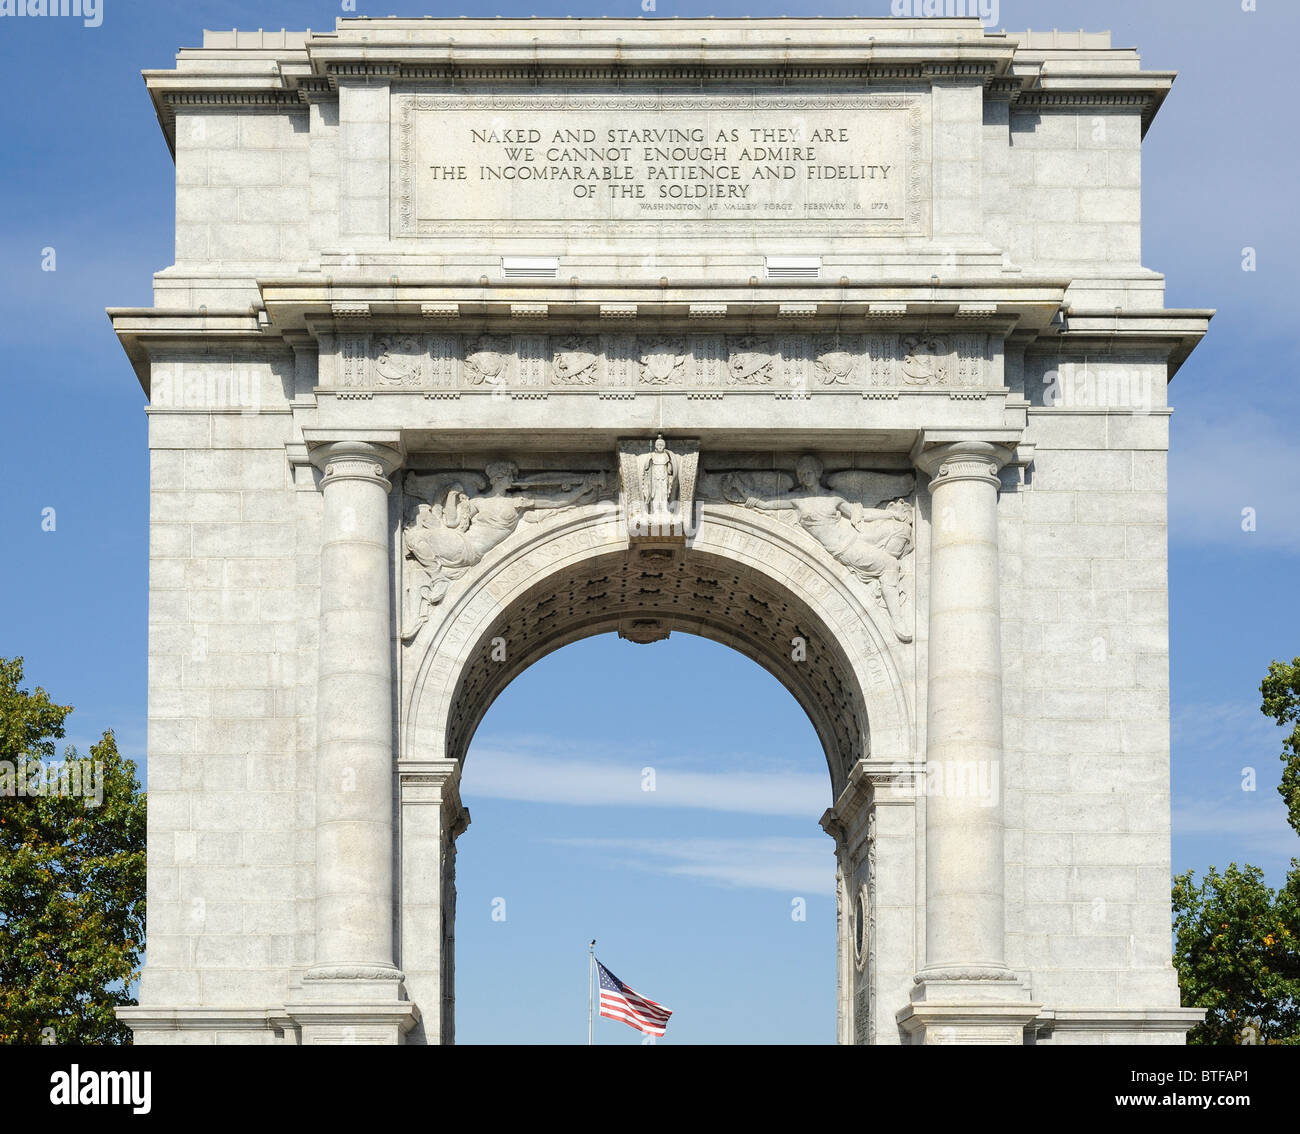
750, 583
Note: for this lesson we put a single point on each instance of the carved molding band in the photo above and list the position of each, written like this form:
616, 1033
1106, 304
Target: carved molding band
354, 972
627, 364
965, 973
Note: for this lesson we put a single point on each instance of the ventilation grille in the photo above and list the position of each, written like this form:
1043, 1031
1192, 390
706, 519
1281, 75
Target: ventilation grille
794, 267
530, 267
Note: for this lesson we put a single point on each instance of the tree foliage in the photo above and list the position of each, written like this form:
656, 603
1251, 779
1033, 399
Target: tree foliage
72, 876
1281, 693
1237, 952
1236, 941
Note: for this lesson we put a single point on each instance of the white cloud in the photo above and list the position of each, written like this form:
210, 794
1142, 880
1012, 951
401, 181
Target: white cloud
1252, 828
1226, 726
533, 776
1219, 467
796, 866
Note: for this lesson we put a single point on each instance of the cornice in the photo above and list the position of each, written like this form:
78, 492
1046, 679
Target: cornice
1173, 332
989, 304
294, 68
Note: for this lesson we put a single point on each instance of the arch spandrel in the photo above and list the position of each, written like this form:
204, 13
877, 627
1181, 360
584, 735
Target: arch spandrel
850, 683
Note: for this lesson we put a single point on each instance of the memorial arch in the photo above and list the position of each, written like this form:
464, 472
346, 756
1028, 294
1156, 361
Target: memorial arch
828, 340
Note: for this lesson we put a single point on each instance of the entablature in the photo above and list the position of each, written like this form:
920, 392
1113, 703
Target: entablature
1032, 70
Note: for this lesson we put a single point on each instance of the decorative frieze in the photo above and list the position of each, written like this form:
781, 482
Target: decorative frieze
694, 363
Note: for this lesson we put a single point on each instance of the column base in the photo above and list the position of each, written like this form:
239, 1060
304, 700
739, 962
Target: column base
347, 983
342, 1003
988, 1023
379, 1024
968, 1004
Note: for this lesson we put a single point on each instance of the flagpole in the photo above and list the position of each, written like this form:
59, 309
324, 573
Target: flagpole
591, 973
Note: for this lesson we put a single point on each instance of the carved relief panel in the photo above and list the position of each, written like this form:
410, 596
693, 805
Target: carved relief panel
863, 519
538, 364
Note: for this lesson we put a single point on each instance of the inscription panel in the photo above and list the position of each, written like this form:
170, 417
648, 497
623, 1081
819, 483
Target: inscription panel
574, 162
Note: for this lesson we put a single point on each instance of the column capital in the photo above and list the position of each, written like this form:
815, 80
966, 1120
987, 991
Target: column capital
831, 823
965, 459
435, 782
353, 459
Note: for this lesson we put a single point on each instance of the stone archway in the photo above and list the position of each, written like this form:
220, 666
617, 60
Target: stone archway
362, 292
756, 586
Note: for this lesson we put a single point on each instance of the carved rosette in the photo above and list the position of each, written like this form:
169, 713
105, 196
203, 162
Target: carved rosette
574, 361
925, 360
661, 360
487, 361
835, 362
749, 360
399, 361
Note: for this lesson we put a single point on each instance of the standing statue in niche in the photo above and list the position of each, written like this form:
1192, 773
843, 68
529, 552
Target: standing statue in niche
450, 529
869, 541
659, 477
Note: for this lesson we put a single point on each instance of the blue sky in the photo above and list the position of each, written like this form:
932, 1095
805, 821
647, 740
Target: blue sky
691, 902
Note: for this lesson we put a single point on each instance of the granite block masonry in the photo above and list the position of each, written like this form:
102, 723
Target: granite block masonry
829, 340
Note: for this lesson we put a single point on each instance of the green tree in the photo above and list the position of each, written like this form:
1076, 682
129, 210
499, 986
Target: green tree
1281, 692
72, 877
1237, 954
1236, 941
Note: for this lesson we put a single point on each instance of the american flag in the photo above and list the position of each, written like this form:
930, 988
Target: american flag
619, 1002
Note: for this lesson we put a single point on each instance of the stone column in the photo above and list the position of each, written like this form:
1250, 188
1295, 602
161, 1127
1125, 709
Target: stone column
965, 968
354, 973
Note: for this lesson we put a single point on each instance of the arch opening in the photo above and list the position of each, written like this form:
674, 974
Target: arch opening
718, 861
647, 599
762, 588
